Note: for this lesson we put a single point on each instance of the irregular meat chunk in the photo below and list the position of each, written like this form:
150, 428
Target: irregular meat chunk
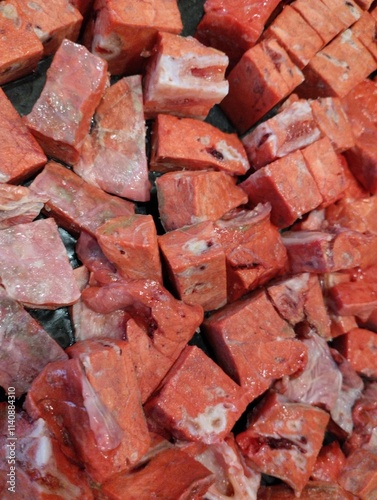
359, 475
18, 205
359, 347
330, 461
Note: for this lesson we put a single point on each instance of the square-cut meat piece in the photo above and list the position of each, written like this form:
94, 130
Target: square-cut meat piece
20, 154
60, 118
185, 143
197, 400
195, 261
287, 185
186, 197
362, 159
34, 266
113, 155
184, 77
20, 48
365, 30
354, 298
358, 215
253, 248
51, 20
253, 344
234, 26
360, 106
283, 439
359, 475
347, 11
263, 77
290, 129
296, 35
74, 203
123, 32
130, 243
359, 347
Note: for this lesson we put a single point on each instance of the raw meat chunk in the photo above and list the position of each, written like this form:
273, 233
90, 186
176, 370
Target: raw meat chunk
358, 215
365, 30
359, 475
18, 205
330, 461
347, 11
320, 490
359, 347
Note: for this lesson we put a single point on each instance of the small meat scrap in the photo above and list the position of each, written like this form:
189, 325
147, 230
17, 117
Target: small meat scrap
292, 128
170, 474
51, 20
283, 439
20, 154
359, 475
113, 155
123, 32
330, 461
42, 470
204, 147
234, 26
333, 122
196, 264
184, 77
253, 248
26, 348
60, 118
287, 185
188, 197
20, 48
130, 243
253, 344
359, 347
263, 77
365, 30
197, 400
76, 205
18, 205
34, 266
296, 35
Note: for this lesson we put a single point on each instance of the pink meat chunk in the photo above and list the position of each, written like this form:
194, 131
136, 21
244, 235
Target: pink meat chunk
197, 400
359, 475
253, 344
26, 347
60, 118
359, 347
18, 205
113, 156
34, 266
353, 298
358, 215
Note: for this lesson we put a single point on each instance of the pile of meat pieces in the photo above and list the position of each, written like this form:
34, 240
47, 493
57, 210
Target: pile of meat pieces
264, 254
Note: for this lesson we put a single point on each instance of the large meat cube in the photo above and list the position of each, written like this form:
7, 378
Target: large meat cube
60, 118
186, 197
130, 243
287, 185
358, 215
359, 475
196, 264
20, 154
296, 35
75, 204
123, 32
234, 26
289, 130
197, 400
51, 20
20, 48
347, 11
362, 159
34, 266
261, 79
253, 248
113, 156
253, 344
283, 439
365, 30
18, 205
353, 298
184, 77
359, 347
185, 143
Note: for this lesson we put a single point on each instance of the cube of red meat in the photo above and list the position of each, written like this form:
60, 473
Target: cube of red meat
296, 35
124, 32
197, 400
20, 154
262, 78
360, 106
347, 11
358, 215
283, 439
51, 20
130, 243
76, 205
20, 48
330, 461
353, 298
287, 185
185, 198
185, 143
171, 474
359, 347
253, 344
289, 130
18, 205
184, 77
67, 100
341, 324
234, 26
113, 156
365, 30
253, 248
359, 475
195, 263
362, 159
